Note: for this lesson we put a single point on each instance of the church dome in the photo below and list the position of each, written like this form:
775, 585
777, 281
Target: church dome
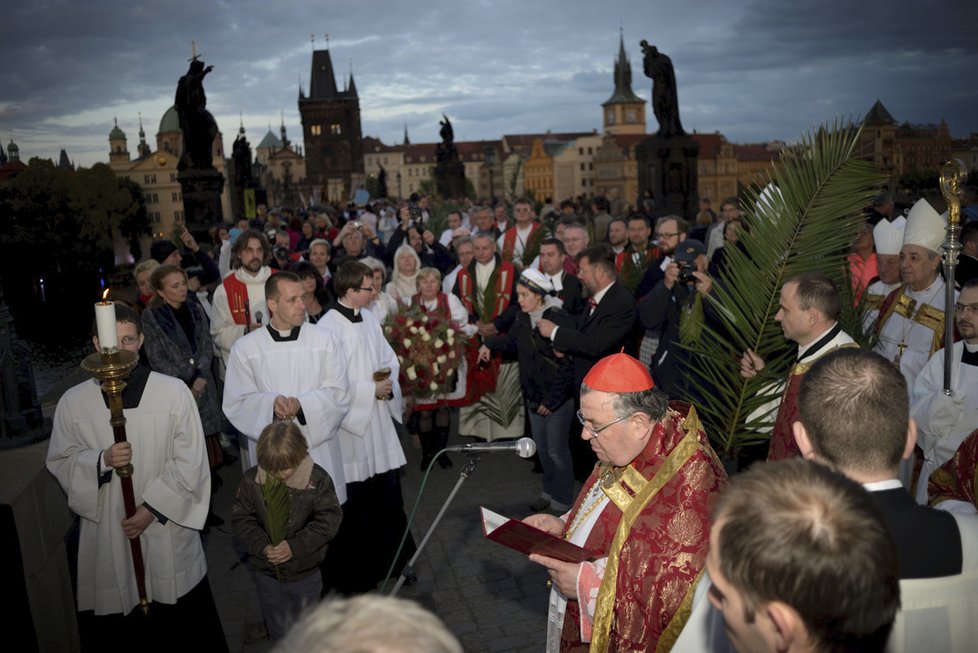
12, 149
117, 134
170, 122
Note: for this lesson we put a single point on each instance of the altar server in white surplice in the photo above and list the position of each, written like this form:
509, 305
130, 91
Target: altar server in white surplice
171, 487
373, 517
289, 370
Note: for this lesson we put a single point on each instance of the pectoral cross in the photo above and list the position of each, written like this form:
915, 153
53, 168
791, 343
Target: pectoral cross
902, 346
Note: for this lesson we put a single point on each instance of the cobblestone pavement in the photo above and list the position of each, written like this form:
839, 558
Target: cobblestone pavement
491, 597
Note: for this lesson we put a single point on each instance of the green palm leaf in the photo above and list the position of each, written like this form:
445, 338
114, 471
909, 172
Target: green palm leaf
278, 504
808, 227
503, 405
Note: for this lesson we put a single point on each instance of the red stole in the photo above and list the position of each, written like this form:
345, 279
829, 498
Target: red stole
957, 478
625, 263
238, 299
665, 551
783, 443
441, 309
505, 277
482, 376
509, 241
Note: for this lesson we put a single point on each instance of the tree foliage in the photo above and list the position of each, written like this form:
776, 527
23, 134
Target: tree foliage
56, 229
807, 226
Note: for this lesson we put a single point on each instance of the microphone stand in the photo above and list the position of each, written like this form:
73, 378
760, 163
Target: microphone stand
409, 567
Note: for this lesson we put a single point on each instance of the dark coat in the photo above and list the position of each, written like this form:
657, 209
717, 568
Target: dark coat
170, 352
600, 334
314, 518
928, 541
544, 378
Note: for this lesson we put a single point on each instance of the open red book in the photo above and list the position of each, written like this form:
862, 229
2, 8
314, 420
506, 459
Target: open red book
527, 539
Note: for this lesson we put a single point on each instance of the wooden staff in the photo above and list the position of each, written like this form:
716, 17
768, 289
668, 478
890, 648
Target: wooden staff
112, 368
953, 174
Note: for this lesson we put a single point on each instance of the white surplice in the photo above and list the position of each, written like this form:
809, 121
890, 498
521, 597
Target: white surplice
170, 474
309, 368
224, 330
368, 439
943, 422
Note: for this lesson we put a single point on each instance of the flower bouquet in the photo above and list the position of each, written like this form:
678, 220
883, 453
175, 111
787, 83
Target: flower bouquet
430, 349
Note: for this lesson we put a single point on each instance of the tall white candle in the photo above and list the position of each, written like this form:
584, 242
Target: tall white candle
105, 321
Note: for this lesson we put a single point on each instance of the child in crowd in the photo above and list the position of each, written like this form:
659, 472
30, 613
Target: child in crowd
285, 514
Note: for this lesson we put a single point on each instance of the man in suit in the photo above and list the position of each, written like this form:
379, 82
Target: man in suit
601, 329
854, 415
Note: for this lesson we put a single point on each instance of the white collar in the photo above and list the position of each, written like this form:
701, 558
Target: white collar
356, 311
802, 350
879, 486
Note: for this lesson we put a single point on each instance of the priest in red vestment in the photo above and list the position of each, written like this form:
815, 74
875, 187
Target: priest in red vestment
644, 512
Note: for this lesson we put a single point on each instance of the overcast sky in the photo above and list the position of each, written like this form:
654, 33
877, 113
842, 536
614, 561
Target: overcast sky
752, 70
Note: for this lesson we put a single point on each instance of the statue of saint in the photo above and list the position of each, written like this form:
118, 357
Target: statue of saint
665, 102
447, 133
197, 124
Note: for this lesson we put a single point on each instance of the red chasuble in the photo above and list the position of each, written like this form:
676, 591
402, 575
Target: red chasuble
957, 478
656, 534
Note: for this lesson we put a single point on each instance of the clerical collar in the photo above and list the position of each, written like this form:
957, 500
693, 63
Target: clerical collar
283, 336
133, 392
969, 354
818, 343
882, 486
352, 314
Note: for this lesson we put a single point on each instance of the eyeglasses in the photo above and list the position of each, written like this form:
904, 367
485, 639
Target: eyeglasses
129, 341
366, 289
595, 431
966, 308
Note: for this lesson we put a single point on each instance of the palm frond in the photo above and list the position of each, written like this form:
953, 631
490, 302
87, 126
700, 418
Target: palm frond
806, 227
278, 504
503, 405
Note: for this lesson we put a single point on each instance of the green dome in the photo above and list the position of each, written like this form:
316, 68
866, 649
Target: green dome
117, 134
12, 148
170, 122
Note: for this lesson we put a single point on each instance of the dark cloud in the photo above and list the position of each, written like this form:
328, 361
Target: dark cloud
757, 70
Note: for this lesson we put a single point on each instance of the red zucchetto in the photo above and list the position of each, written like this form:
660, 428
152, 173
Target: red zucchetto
619, 373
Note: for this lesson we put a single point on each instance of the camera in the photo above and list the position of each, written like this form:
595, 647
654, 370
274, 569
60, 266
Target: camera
280, 253
357, 225
686, 270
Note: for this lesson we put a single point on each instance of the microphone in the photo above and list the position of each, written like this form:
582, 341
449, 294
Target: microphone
258, 317
524, 447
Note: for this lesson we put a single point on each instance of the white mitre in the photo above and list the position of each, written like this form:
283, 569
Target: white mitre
925, 227
888, 236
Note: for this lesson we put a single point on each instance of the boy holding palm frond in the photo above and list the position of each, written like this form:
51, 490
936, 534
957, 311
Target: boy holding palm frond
285, 513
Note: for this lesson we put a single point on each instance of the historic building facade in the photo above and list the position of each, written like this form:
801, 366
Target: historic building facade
331, 133
156, 172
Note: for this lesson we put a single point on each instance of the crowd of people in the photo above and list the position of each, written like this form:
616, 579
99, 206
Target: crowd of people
570, 318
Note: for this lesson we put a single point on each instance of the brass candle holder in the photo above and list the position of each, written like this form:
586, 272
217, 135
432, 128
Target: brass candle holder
112, 366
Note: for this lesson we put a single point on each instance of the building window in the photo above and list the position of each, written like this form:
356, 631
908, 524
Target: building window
176, 196
145, 179
335, 129
316, 130
173, 177
630, 116
611, 117
580, 151
582, 167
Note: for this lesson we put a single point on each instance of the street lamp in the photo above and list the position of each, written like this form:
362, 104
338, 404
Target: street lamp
489, 154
